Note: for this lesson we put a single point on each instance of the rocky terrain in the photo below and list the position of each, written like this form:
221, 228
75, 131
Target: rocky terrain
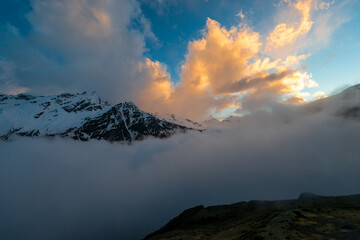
80, 116
84, 116
308, 217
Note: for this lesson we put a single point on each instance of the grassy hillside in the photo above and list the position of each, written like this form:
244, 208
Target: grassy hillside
308, 217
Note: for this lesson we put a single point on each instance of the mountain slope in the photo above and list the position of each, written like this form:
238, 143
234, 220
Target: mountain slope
345, 104
85, 116
308, 217
125, 121
181, 121
79, 116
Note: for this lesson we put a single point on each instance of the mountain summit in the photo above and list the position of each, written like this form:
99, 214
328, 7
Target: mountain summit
79, 116
85, 116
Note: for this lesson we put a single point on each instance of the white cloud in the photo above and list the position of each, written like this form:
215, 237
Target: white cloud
57, 189
220, 68
241, 15
77, 46
319, 95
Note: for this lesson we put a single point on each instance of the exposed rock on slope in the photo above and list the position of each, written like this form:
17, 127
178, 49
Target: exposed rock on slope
79, 116
85, 116
308, 217
125, 122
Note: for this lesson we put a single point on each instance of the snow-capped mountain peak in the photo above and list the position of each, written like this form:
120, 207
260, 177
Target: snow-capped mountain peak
80, 116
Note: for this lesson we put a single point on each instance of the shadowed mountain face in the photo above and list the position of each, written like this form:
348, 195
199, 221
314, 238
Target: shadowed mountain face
308, 217
345, 104
125, 122
79, 116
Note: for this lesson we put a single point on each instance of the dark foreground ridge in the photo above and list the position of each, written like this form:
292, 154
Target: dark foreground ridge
308, 217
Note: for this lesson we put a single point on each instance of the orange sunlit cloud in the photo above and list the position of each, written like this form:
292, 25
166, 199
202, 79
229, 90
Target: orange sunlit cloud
284, 33
159, 89
228, 63
297, 98
319, 95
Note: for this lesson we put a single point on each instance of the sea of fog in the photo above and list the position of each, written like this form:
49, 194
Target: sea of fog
53, 188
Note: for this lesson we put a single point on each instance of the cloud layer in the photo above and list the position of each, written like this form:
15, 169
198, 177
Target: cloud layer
56, 189
76, 46
236, 68
100, 45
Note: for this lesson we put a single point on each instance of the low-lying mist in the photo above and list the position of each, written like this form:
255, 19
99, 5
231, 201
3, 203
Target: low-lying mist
63, 189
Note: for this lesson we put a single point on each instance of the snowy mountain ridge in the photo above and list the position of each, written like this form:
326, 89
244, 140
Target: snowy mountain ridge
181, 121
79, 116
86, 116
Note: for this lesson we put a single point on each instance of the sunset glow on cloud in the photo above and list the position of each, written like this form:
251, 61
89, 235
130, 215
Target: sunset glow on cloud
287, 33
206, 67
228, 64
128, 112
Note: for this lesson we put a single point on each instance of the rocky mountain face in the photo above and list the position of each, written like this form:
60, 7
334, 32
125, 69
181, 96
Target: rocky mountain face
308, 217
86, 116
79, 116
125, 122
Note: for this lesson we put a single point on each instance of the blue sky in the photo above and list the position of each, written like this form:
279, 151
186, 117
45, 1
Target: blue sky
183, 21
333, 65
13, 12
181, 56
